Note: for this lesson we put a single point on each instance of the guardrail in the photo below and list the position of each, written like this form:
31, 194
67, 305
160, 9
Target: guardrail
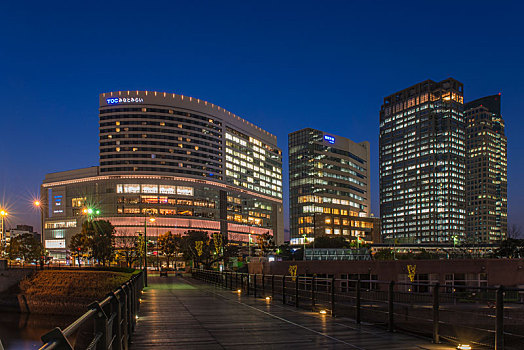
490, 317
107, 325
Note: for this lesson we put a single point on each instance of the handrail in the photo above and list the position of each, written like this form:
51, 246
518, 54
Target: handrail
416, 306
114, 318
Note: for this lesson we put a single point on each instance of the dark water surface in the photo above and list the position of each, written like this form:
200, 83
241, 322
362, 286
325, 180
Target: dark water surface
23, 331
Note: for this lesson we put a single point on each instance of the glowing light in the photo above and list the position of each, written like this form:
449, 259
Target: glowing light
36, 203
3, 212
329, 139
323, 312
268, 298
90, 211
136, 317
239, 290
464, 347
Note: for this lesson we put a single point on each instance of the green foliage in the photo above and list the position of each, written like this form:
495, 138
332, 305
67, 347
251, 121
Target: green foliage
265, 243
26, 247
384, 254
94, 241
208, 254
169, 245
510, 248
329, 242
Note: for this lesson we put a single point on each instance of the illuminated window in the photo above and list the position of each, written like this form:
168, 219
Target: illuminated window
327, 220
131, 188
149, 189
184, 191
78, 202
166, 189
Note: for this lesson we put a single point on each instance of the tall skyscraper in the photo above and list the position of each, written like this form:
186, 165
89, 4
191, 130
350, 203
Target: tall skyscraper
422, 164
486, 165
328, 185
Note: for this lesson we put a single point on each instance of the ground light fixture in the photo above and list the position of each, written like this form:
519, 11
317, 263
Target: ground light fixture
323, 312
268, 298
239, 291
464, 347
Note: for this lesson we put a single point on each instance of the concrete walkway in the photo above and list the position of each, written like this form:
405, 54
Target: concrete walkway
183, 313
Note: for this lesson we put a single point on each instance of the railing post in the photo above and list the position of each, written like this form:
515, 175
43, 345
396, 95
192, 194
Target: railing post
499, 327
273, 286
436, 287
263, 286
236, 279
313, 287
284, 289
118, 320
391, 295
357, 317
255, 285
333, 313
101, 327
125, 312
248, 283
296, 291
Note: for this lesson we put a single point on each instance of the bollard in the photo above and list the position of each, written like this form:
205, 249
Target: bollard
357, 317
499, 326
436, 339
391, 295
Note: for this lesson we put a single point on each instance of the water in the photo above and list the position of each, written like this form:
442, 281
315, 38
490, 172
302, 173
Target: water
23, 331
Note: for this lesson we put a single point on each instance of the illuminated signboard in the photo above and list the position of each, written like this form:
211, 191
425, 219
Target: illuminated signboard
329, 139
55, 243
117, 100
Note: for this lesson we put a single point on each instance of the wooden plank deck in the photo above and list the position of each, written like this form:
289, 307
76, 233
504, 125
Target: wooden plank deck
183, 313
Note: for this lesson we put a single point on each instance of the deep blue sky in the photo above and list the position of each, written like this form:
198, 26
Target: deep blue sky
281, 65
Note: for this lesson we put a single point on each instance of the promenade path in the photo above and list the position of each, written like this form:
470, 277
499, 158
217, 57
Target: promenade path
183, 313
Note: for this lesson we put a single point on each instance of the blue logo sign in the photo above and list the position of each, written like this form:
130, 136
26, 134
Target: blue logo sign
329, 139
117, 100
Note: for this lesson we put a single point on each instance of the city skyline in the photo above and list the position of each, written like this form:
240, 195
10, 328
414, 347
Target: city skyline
51, 101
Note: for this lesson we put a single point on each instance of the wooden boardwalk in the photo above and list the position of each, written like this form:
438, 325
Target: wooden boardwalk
183, 313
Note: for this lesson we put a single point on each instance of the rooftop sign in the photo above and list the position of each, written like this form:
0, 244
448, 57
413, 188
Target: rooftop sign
330, 139
117, 100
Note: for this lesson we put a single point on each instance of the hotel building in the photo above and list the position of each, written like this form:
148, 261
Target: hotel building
329, 190
190, 163
422, 164
487, 173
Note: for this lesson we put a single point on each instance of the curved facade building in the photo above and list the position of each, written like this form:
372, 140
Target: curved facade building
188, 162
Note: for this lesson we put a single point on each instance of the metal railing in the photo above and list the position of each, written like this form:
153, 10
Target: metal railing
490, 317
107, 324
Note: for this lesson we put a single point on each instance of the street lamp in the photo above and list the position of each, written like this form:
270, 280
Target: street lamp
304, 255
151, 219
3, 214
38, 204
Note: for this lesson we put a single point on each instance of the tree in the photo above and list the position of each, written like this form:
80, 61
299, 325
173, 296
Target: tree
202, 249
510, 248
330, 242
265, 243
26, 247
94, 240
102, 240
128, 247
169, 244
79, 245
514, 231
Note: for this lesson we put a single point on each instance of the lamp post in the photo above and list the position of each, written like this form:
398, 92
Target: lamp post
3, 214
304, 255
151, 219
38, 204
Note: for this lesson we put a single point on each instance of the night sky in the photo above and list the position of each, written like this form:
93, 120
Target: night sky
281, 65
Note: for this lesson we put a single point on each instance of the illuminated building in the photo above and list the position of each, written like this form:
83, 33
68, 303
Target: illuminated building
190, 163
422, 164
486, 165
328, 182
